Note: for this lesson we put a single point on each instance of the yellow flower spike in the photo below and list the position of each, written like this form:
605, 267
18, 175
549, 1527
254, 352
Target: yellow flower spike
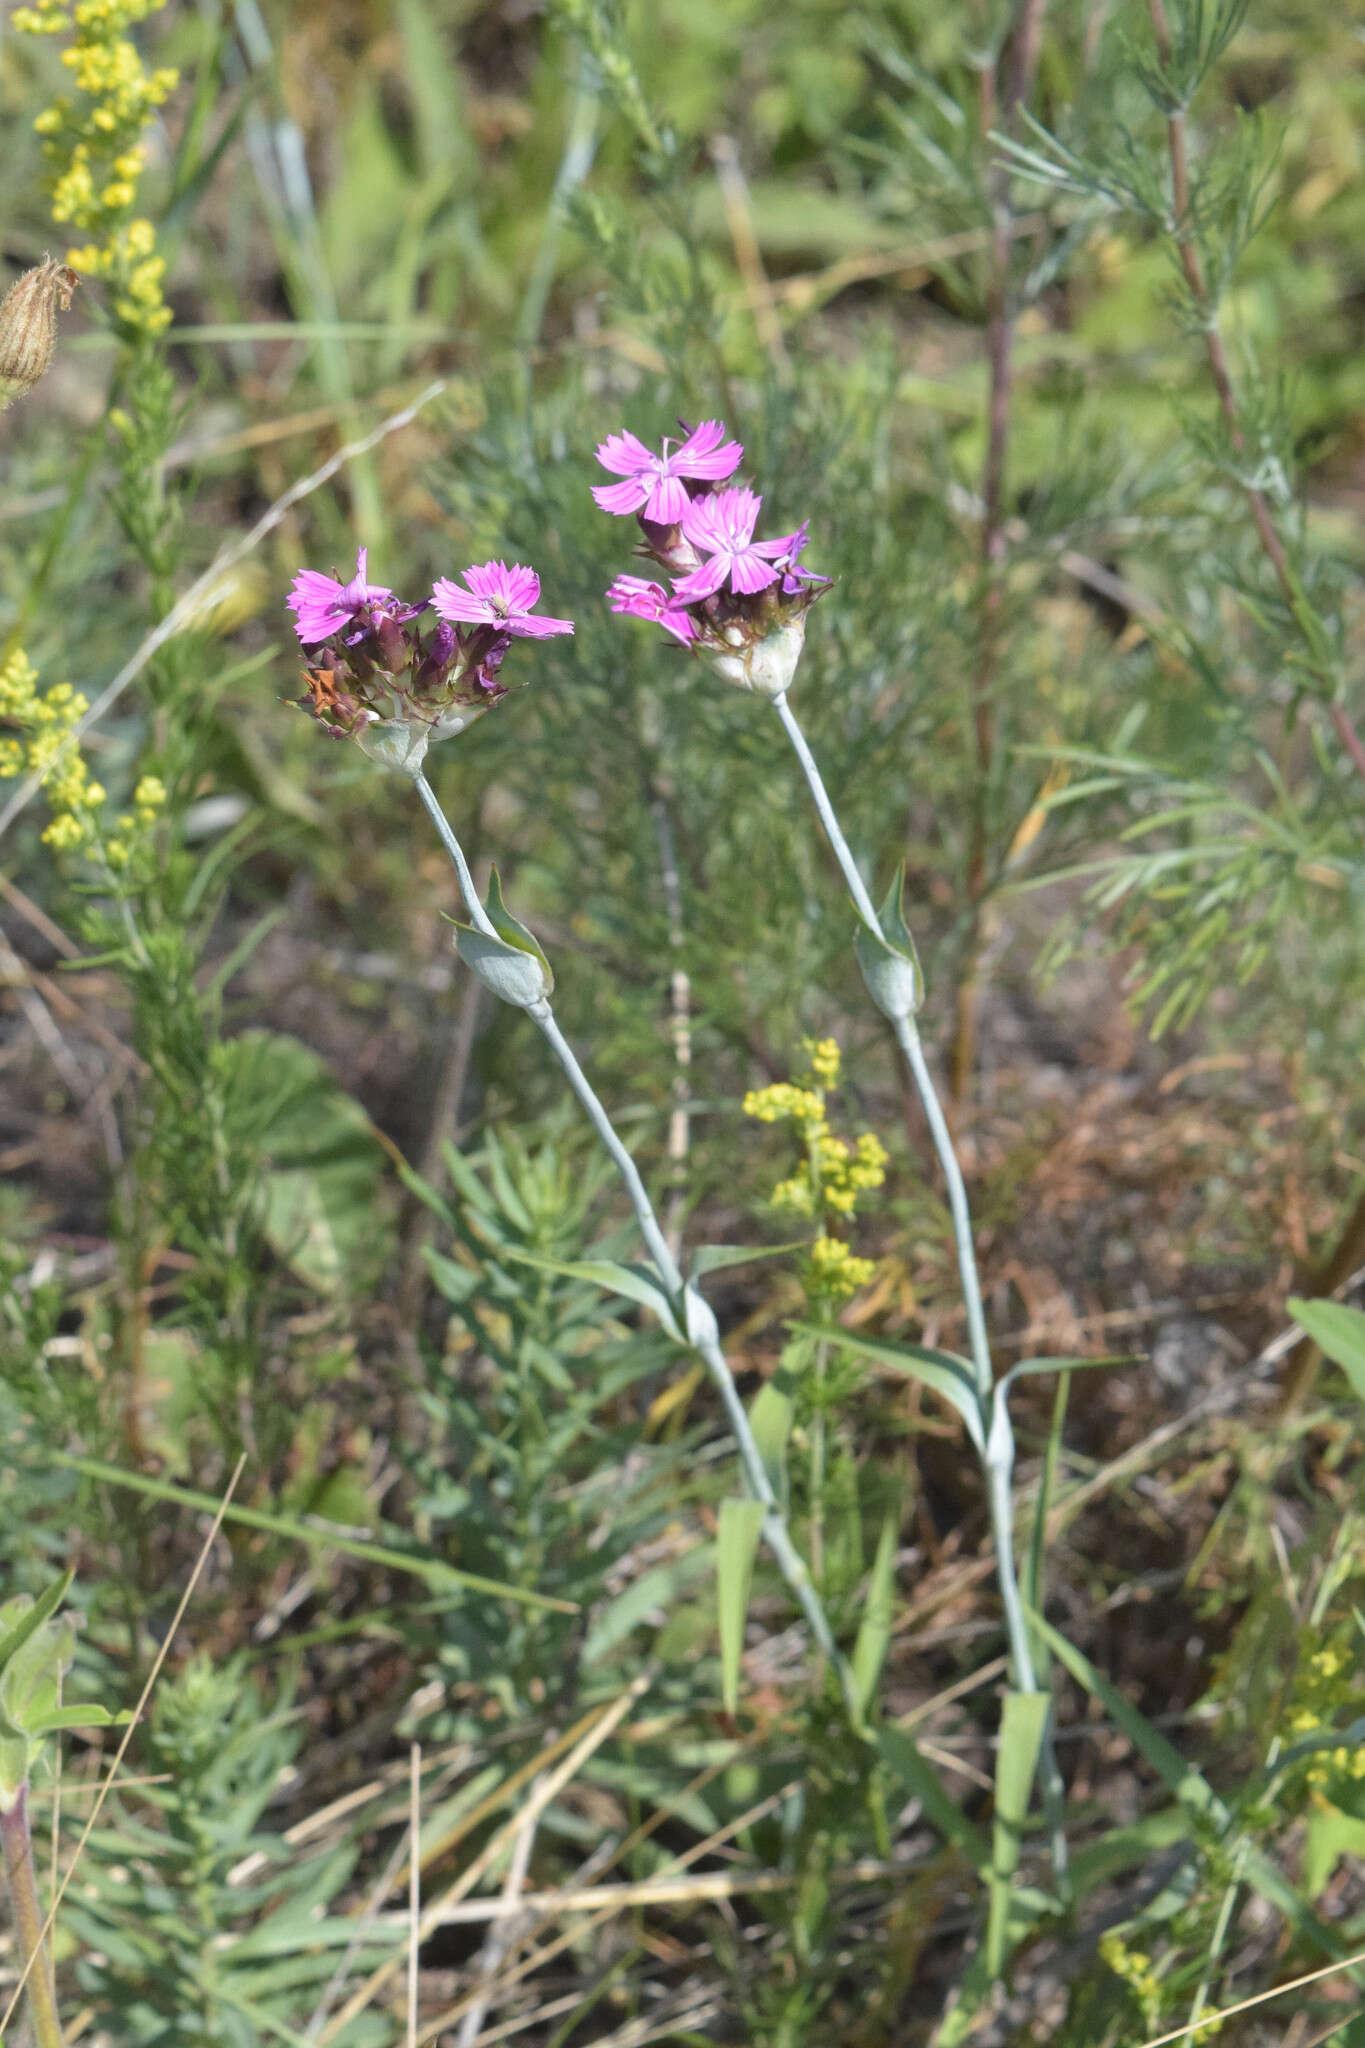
824, 1061
781, 1100
834, 1271
66, 833
94, 146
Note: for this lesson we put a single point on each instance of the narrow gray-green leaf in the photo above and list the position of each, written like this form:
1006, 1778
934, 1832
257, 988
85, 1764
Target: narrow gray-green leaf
879, 1606
944, 1371
1022, 1726
917, 1776
736, 1545
636, 1283
714, 1258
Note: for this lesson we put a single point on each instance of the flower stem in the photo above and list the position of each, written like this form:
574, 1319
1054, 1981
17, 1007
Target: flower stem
691, 1310
478, 915
17, 1845
999, 1459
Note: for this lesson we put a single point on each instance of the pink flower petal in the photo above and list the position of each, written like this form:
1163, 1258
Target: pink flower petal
667, 502
488, 580
451, 601
748, 574
535, 626
624, 455
626, 497
702, 455
523, 587
702, 582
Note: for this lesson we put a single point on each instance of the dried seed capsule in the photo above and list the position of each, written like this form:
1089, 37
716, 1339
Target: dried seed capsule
28, 326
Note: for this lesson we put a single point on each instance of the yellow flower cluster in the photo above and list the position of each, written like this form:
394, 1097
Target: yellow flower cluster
36, 739
1318, 1699
775, 1104
95, 147
1137, 1973
834, 1271
148, 799
834, 1175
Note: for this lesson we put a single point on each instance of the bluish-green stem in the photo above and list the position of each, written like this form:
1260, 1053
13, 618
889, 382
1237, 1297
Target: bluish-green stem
693, 1314
999, 1456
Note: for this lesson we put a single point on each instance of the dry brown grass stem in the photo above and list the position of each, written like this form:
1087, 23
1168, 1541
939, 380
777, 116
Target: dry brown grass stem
604, 1722
539, 1957
697, 1889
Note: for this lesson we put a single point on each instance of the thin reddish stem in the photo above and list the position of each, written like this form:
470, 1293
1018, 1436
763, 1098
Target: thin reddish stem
1005, 85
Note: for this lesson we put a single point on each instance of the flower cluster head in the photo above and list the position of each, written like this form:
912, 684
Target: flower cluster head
93, 144
738, 602
834, 1174
381, 674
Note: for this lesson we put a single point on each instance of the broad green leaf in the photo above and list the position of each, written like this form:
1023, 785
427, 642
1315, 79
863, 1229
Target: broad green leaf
1022, 1727
741, 1522
1331, 1835
456, 1282
879, 1606
20, 1616
1338, 1332
31, 1688
89, 1716
321, 1189
944, 1371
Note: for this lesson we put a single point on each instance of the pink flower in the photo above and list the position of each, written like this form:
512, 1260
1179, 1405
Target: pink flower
642, 600
497, 596
789, 564
325, 606
722, 527
654, 487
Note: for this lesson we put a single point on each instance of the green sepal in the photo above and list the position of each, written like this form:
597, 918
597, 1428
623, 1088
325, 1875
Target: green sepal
890, 963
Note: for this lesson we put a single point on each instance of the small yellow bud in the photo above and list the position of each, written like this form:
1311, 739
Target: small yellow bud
28, 326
